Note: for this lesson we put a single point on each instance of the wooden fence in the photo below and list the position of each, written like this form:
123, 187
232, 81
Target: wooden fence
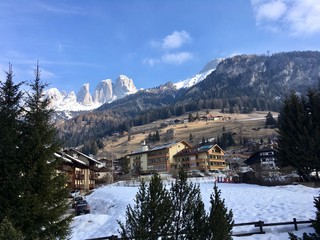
259, 224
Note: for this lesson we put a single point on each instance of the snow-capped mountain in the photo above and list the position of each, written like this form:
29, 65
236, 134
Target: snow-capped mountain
123, 86
84, 95
61, 101
208, 68
105, 92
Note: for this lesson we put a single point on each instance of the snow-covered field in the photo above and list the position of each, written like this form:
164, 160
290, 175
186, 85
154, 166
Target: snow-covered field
248, 203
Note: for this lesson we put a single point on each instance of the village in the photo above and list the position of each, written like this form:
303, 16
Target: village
198, 159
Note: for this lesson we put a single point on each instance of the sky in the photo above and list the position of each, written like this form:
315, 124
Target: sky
249, 203
150, 41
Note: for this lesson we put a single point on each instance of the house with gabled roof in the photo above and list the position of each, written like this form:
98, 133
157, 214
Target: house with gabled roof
204, 158
81, 169
264, 158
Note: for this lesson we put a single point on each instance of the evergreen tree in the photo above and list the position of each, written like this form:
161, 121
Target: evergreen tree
44, 200
7, 231
220, 221
10, 141
315, 225
157, 136
189, 216
203, 142
197, 116
190, 118
190, 137
150, 216
299, 130
270, 121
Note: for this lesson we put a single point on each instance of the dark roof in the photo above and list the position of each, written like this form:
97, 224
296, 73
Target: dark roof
84, 155
67, 158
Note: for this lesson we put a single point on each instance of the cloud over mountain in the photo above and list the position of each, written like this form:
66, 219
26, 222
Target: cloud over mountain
297, 17
170, 49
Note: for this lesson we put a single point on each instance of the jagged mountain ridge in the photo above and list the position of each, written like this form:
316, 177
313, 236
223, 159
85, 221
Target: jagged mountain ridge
240, 80
104, 92
66, 105
260, 76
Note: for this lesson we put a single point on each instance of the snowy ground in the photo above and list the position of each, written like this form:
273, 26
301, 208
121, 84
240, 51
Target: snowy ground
248, 203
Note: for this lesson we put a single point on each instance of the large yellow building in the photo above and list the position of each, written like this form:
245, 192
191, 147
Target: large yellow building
156, 159
175, 155
203, 158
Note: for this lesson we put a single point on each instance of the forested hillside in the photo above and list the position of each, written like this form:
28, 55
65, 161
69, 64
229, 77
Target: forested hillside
240, 84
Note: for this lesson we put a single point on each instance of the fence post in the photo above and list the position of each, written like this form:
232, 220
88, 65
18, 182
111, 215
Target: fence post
295, 224
260, 226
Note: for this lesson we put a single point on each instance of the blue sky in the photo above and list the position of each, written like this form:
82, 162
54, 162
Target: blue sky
150, 41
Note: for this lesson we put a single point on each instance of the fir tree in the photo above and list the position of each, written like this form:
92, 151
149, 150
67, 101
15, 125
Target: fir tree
190, 137
189, 216
220, 221
203, 142
299, 130
315, 225
8, 231
10, 141
190, 118
44, 200
270, 121
150, 216
157, 136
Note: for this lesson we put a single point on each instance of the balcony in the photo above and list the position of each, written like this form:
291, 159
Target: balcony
79, 176
80, 186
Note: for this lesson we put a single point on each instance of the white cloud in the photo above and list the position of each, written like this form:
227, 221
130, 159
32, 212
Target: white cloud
176, 58
151, 61
175, 40
297, 17
168, 49
169, 44
304, 16
169, 58
272, 10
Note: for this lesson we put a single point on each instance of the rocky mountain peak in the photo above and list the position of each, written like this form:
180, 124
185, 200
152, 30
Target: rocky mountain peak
103, 92
84, 97
211, 65
124, 86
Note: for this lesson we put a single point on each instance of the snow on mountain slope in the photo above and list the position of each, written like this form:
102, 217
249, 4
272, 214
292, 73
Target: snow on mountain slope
103, 92
124, 86
106, 91
60, 101
208, 68
84, 101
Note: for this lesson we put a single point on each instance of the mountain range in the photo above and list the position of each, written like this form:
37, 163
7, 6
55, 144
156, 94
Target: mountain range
239, 84
104, 92
107, 91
